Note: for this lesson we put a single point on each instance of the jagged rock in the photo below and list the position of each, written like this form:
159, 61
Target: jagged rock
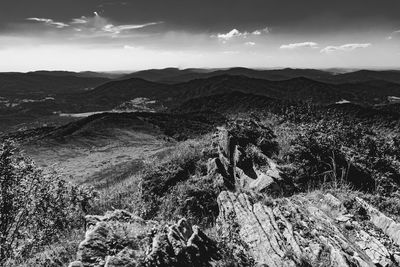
237, 167
388, 225
344, 218
94, 248
214, 168
124, 258
375, 250
291, 231
182, 246
397, 259
75, 264
122, 239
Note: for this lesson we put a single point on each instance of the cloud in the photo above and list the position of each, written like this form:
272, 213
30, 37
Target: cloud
344, 48
50, 22
235, 33
81, 20
129, 47
393, 34
299, 45
259, 32
250, 43
97, 26
118, 29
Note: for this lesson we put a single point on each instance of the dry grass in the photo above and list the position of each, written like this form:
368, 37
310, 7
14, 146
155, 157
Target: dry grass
82, 162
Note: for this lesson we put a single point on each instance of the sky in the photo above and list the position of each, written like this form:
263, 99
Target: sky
126, 35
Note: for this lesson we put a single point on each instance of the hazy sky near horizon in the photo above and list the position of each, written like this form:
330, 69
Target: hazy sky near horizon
106, 35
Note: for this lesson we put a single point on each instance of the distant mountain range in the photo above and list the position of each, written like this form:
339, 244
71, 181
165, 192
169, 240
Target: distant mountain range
28, 97
296, 89
174, 75
83, 74
77, 92
26, 85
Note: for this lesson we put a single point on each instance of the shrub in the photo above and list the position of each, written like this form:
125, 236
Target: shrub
35, 209
327, 151
246, 132
317, 157
388, 205
194, 199
160, 178
56, 254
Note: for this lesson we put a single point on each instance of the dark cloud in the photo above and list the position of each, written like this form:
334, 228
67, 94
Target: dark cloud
217, 15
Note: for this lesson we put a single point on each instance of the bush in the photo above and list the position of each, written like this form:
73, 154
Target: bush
317, 157
253, 131
332, 151
35, 209
194, 199
390, 206
162, 179
57, 254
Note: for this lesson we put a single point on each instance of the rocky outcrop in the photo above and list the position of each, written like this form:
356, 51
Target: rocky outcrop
314, 229
122, 239
308, 230
244, 149
387, 225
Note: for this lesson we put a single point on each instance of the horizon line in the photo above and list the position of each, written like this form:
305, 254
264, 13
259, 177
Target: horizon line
372, 68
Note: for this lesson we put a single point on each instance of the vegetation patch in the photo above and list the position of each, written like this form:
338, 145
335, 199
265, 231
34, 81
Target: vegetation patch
35, 209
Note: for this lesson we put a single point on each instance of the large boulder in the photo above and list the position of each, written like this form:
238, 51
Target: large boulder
245, 149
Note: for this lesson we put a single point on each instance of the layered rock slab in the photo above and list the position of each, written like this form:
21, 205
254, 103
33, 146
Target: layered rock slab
314, 229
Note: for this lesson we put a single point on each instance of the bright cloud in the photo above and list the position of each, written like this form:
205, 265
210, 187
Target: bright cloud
250, 43
259, 32
118, 29
93, 26
101, 26
299, 45
50, 22
81, 20
344, 48
235, 33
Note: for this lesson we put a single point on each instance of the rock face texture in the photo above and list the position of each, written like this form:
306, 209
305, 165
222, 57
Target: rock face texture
387, 225
311, 230
244, 149
122, 239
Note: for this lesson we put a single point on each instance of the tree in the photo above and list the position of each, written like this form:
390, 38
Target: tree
34, 208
